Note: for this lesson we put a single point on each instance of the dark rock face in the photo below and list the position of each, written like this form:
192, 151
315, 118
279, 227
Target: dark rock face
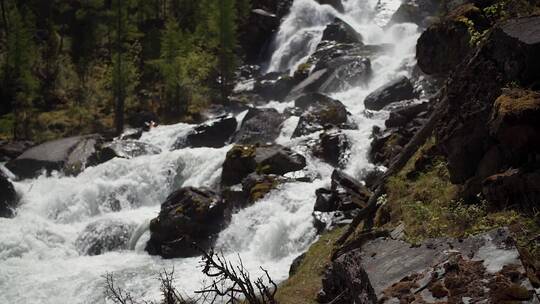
104, 236
513, 187
333, 147
188, 215
319, 110
442, 47
341, 32
346, 281
473, 122
69, 154
259, 126
270, 159
8, 197
397, 90
213, 134
257, 31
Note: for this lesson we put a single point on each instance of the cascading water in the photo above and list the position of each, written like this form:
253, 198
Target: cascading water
43, 250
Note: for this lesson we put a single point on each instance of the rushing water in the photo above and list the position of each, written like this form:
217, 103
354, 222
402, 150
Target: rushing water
41, 249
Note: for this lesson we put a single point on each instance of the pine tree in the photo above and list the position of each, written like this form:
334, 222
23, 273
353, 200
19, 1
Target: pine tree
21, 59
124, 70
222, 32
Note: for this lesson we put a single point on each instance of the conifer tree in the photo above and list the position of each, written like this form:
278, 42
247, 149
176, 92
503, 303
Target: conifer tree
124, 70
21, 59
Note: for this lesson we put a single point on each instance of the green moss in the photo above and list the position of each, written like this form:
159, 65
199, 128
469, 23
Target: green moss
261, 189
303, 286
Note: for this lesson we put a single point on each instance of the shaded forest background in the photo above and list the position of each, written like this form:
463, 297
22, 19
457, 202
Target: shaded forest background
72, 67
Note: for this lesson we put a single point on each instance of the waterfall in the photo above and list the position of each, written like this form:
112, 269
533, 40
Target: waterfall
42, 249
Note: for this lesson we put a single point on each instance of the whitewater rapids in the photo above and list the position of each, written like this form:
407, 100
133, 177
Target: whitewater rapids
42, 258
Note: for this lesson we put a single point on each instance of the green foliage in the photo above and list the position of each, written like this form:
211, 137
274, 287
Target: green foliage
19, 67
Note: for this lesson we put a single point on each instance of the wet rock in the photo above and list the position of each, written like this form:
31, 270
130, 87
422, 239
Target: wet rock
11, 150
69, 154
386, 146
188, 215
341, 202
256, 186
296, 264
336, 66
397, 90
213, 134
132, 134
275, 87
319, 110
341, 32
333, 3
104, 236
415, 12
8, 197
333, 147
257, 32
346, 281
123, 149
268, 159
259, 126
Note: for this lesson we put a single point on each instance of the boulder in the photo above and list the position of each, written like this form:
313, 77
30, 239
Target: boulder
319, 111
394, 91
346, 73
213, 134
515, 122
256, 33
11, 150
274, 87
260, 126
71, 155
243, 160
123, 149
341, 32
470, 125
297, 262
104, 236
417, 12
333, 147
256, 186
346, 281
485, 269
515, 187
8, 197
442, 47
402, 116
341, 202
188, 216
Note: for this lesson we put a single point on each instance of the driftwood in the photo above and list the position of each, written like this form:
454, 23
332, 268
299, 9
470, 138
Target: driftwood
398, 163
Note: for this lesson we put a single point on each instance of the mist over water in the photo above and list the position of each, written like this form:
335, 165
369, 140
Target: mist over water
42, 258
